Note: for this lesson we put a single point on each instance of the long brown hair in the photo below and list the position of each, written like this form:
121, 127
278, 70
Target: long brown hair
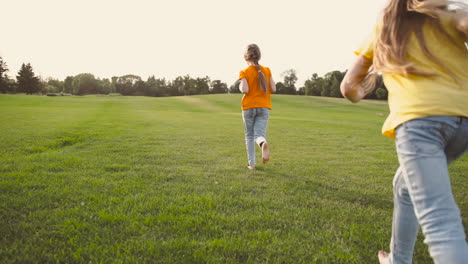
253, 55
400, 19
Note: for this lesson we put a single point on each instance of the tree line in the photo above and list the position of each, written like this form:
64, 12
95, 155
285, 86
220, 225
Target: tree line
86, 83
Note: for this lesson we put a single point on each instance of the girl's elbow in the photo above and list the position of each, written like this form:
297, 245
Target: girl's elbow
348, 92
353, 100
344, 88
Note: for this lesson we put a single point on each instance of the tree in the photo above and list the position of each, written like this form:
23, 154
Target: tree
152, 87
76, 85
27, 81
86, 83
301, 91
335, 88
177, 86
334, 79
4, 87
140, 88
281, 88
68, 85
126, 84
218, 87
234, 88
43, 86
289, 81
157, 87
11, 85
54, 86
188, 86
312, 85
202, 85
325, 88
106, 86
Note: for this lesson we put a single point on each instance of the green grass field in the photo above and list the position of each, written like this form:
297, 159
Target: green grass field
99, 179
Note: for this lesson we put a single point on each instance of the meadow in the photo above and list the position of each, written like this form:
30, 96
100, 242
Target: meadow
113, 179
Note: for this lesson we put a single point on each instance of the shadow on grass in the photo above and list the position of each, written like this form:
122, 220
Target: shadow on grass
344, 194
357, 197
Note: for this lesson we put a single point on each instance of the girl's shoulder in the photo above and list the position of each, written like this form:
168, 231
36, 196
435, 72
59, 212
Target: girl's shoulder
264, 68
251, 70
247, 72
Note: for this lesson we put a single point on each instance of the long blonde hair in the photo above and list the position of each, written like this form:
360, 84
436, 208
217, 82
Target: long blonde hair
400, 19
252, 54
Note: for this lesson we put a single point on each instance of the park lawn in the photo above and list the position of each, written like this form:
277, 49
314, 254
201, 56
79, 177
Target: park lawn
112, 179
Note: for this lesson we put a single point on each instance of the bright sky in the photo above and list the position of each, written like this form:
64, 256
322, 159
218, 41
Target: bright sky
170, 38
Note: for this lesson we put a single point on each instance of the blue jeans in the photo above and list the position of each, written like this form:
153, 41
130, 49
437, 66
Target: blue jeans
255, 124
422, 190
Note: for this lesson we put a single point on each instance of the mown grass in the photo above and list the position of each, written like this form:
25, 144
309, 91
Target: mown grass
99, 179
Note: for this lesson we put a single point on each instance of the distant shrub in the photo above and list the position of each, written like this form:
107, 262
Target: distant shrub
52, 94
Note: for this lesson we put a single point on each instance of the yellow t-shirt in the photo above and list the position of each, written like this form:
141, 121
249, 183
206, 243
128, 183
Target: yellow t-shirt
417, 96
255, 97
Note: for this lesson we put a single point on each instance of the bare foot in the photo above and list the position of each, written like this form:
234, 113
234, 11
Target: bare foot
383, 257
265, 152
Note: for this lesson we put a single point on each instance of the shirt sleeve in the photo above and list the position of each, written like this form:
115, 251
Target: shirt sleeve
367, 46
242, 75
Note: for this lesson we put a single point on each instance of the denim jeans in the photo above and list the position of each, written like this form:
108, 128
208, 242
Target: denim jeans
422, 190
255, 124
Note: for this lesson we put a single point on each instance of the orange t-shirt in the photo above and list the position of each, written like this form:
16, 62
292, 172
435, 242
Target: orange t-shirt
255, 97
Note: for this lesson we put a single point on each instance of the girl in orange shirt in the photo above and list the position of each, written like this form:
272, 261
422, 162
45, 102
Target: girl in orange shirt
256, 83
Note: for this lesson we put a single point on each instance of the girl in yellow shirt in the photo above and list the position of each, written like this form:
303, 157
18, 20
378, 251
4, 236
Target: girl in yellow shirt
420, 48
256, 83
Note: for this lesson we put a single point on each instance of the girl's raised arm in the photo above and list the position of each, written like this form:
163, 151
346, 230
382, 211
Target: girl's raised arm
352, 85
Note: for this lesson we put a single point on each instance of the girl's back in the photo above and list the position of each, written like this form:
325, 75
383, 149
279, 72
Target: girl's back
444, 88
